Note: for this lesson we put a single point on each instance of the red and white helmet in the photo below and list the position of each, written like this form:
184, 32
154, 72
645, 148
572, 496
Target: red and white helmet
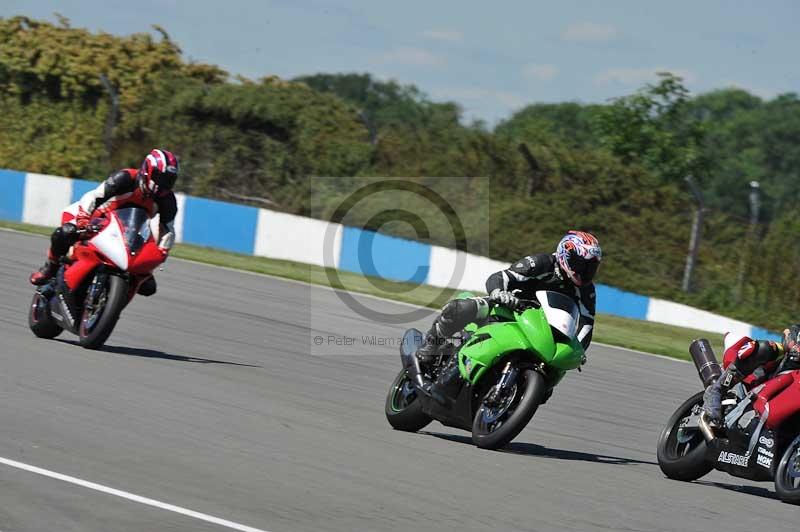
578, 255
158, 172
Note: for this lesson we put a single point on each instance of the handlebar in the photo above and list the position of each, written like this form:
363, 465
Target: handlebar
523, 303
88, 231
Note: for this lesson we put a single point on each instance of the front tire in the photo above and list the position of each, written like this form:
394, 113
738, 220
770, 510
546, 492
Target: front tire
40, 321
98, 323
787, 475
682, 453
403, 407
491, 430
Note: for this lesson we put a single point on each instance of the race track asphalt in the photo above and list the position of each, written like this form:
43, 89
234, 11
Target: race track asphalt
212, 396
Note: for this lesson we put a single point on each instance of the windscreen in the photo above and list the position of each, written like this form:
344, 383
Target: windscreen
135, 227
561, 312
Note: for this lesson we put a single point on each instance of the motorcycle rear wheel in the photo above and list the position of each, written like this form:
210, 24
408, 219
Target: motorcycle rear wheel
96, 326
493, 431
403, 408
682, 455
40, 321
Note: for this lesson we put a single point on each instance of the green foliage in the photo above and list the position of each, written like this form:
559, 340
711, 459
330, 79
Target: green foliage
383, 104
570, 122
652, 128
613, 169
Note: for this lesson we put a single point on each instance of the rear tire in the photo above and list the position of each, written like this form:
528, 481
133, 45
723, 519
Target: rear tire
40, 321
529, 392
403, 407
787, 475
684, 458
116, 298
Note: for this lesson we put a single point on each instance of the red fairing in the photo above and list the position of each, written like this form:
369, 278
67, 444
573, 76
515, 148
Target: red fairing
84, 260
146, 260
782, 393
733, 345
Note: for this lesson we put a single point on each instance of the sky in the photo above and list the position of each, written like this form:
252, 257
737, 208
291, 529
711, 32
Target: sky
492, 58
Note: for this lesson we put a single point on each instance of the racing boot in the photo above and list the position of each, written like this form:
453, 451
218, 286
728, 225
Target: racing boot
434, 339
712, 398
43, 275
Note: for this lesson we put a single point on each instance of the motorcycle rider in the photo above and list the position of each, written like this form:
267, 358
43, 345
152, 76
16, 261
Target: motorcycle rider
569, 270
754, 359
149, 187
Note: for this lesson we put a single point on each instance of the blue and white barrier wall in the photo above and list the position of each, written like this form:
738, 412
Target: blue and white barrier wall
39, 199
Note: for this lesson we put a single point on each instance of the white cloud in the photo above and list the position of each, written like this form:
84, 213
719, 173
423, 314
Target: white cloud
450, 35
639, 76
539, 72
589, 32
411, 56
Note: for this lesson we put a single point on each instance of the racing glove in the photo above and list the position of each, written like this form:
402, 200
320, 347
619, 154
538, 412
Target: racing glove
505, 298
82, 219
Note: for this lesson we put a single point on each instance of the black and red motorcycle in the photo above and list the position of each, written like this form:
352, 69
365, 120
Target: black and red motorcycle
750, 442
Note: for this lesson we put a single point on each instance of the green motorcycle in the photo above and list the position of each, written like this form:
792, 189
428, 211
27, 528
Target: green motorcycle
490, 378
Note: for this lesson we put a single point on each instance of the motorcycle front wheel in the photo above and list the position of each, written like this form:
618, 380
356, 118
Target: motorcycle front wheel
500, 420
100, 315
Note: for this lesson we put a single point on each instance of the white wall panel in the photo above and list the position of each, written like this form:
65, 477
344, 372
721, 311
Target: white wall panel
289, 237
442, 267
477, 270
44, 199
681, 315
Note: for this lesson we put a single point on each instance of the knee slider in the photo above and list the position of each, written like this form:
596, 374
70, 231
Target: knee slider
148, 287
459, 309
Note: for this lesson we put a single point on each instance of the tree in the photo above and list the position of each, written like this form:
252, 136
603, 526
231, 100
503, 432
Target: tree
653, 128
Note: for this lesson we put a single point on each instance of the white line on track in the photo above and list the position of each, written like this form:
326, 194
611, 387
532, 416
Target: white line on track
131, 496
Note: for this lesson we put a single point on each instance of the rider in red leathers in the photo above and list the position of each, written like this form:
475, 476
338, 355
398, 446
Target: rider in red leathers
149, 187
756, 362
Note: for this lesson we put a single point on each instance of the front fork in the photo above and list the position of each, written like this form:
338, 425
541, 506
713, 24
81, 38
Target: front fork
507, 378
95, 289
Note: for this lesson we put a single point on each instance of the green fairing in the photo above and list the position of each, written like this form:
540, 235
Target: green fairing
529, 331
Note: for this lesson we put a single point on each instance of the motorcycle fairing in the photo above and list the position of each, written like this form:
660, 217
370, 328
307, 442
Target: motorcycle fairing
731, 454
781, 396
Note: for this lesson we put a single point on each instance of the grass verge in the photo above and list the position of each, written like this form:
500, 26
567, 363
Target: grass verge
645, 336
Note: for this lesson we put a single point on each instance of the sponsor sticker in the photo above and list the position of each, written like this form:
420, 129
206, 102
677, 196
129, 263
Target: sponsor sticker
765, 452
763, 440
764, 461
731, 458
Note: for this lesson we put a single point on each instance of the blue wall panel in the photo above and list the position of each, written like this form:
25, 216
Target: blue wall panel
81, 187
763, 334
611, 300
378, 255
221, 225
12, 193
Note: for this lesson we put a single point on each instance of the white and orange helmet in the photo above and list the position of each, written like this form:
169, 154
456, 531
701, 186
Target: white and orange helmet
578, 255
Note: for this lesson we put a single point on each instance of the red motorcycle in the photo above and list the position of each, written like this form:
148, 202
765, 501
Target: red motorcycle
757, 439
105, 268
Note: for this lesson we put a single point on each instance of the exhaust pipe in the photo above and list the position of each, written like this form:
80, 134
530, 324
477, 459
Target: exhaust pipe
412, 340
705, 427
705, 361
